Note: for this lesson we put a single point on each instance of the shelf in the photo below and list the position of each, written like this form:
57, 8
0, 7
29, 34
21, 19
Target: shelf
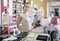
11, 24
4, 36
14, 20
14, 16
16, 2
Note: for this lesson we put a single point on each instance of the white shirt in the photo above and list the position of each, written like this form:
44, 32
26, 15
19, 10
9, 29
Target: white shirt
24, 23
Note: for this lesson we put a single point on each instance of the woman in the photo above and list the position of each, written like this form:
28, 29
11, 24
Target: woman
22, 22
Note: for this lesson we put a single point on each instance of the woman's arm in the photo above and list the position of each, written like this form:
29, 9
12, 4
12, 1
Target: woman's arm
19, 19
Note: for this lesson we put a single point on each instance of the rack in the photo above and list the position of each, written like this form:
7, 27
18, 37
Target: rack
17, 8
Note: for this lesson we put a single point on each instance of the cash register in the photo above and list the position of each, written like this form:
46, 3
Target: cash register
42, 38
38, 37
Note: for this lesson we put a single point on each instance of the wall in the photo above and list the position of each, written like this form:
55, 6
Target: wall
57, 4
52, 0
54, 3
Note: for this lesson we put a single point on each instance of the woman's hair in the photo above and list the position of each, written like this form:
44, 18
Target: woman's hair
25, 6
6, 11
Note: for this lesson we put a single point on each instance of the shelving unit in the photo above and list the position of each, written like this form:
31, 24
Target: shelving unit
17, 8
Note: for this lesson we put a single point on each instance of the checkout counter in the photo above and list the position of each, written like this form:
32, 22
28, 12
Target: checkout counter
37, 34
37, 37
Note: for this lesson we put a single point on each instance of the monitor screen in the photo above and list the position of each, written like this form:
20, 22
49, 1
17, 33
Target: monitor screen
42, 38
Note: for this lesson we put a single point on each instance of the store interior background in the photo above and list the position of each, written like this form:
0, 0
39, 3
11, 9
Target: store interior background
43, 9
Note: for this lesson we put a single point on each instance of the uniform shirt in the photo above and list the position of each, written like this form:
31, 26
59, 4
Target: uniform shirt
24, 23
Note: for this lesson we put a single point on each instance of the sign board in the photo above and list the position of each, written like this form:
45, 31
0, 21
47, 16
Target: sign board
5, 4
